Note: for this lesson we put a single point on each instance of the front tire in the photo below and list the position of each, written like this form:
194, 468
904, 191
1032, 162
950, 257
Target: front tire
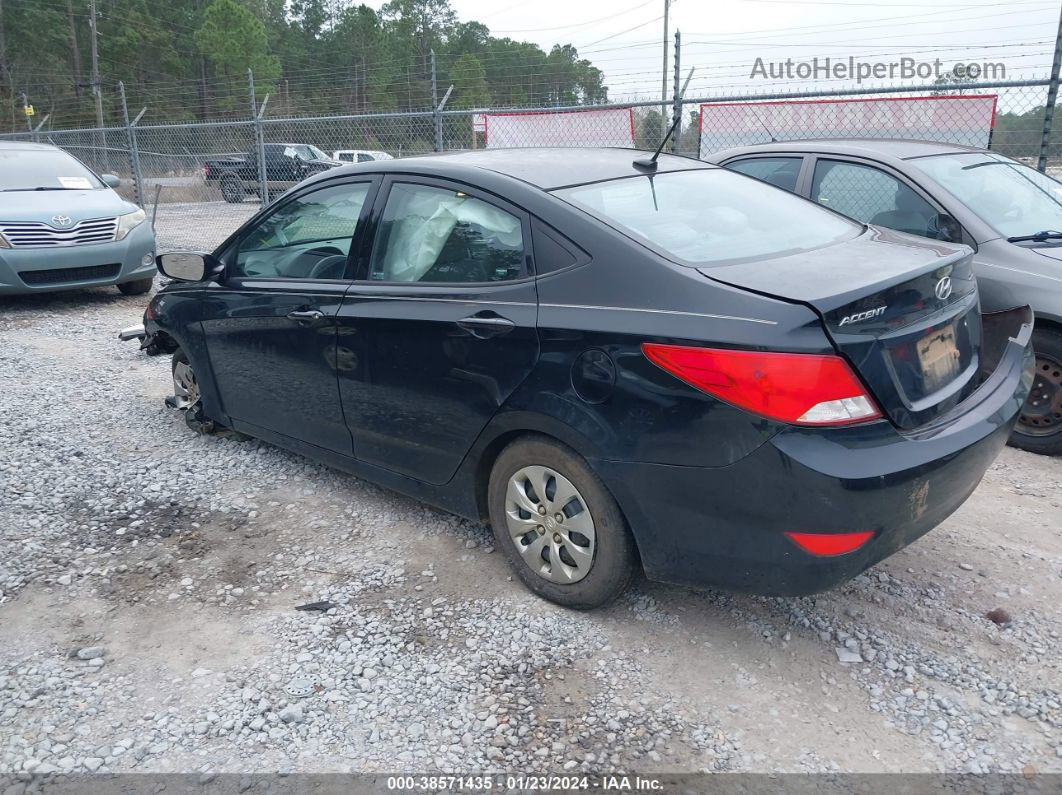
186, 395
139, 287
559, 527
1039, 428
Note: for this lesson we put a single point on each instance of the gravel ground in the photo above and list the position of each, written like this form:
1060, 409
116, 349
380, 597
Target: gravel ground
149, 579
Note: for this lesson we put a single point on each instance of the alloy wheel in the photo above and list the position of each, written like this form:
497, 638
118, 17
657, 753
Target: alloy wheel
185, 386
1042, 413
550, 524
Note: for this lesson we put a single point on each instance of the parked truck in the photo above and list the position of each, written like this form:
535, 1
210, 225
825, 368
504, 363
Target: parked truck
285, 165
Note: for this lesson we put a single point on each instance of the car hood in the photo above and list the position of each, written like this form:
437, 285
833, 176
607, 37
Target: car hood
1051, 252
77, 205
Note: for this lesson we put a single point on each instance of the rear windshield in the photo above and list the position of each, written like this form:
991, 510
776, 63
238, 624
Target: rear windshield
711, 216
43, 169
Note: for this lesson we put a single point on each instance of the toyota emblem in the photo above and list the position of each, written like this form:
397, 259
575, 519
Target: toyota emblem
943, 288
61, 220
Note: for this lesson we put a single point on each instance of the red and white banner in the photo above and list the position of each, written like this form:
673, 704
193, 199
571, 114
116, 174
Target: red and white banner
951, 118
610, 127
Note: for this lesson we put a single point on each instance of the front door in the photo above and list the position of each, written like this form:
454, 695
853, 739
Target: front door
440, 328
270, 324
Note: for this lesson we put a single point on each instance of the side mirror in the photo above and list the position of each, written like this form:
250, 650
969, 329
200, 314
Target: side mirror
188, 267
944, 227
110, 180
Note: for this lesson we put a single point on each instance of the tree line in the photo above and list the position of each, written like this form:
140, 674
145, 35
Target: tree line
187, 60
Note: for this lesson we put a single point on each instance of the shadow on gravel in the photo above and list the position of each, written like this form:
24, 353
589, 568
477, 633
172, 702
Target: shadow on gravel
68, 300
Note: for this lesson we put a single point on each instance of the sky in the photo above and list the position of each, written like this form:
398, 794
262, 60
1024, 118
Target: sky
723, 39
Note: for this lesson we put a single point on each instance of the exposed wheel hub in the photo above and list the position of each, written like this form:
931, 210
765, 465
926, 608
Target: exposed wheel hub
185, 386
550, 524
1042, 413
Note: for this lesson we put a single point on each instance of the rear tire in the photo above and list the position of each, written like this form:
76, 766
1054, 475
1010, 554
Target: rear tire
139, 287
232, 189
565, 537
1039, 428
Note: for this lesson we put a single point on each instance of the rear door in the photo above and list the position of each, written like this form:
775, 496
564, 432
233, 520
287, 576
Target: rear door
270, 323
439, 329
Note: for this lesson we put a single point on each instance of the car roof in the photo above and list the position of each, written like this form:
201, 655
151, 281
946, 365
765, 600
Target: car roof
26, 145
545, 168
902, 149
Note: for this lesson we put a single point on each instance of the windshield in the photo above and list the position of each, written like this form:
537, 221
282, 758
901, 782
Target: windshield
1010, 197
711, 216
44, 169
309, 152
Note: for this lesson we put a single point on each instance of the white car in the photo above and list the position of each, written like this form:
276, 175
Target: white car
359, 155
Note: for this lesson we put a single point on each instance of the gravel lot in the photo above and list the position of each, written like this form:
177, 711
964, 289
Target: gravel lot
148, 580
198, 226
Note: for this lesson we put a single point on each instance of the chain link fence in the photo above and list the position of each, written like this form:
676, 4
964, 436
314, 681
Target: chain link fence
200, 181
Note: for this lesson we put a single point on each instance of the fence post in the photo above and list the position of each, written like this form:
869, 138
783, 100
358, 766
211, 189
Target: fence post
436, 115
676, 111
259, 144
134, 154
1052, 95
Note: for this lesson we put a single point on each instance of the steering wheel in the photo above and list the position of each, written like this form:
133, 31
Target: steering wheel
331, 267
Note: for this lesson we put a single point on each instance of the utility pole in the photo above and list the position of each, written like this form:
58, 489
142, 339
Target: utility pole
96, 93
5, 77
1052, 96
663, 82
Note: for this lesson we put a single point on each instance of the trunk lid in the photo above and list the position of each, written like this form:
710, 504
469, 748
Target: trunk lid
903, 310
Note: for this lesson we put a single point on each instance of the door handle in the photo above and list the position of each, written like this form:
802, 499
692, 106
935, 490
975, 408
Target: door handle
484, 327
306, 316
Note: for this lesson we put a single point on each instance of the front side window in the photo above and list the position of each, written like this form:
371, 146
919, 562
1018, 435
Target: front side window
870, 195
1012, 198
431, 234
306, 238
782, 172
710, 216
43, 169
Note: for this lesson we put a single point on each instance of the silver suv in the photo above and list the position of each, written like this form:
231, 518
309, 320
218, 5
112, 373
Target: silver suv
62, 226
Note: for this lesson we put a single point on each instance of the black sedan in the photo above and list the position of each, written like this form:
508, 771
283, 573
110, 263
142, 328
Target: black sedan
1007, 212
616, 364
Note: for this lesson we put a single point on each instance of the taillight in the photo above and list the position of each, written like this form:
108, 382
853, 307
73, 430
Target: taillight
828, 545
797, 388
206, 172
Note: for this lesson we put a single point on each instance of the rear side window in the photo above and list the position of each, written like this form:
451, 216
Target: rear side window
431, 234
710, 216
782, 172
872, 196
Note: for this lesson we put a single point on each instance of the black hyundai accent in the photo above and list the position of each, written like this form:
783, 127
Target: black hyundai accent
617, 365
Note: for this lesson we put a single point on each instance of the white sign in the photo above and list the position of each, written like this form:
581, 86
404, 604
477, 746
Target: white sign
952, 118
610, 127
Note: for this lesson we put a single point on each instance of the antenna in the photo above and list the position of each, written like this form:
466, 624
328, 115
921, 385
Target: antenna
649, 163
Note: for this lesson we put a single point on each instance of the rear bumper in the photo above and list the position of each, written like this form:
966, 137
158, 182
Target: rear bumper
68, 267
725, 526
